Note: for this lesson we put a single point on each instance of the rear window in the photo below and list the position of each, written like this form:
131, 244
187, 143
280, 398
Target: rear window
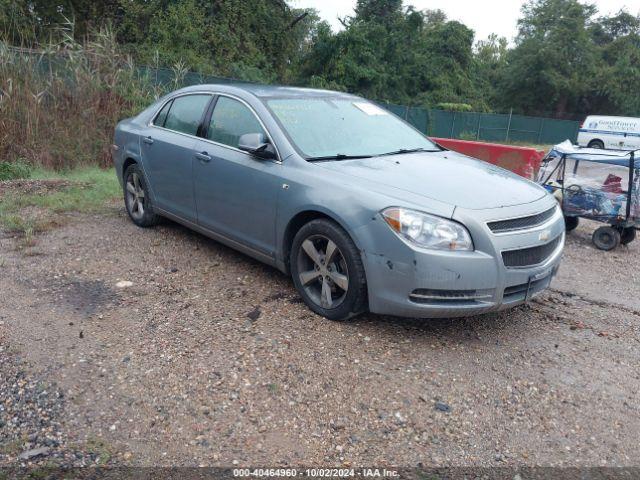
186, 113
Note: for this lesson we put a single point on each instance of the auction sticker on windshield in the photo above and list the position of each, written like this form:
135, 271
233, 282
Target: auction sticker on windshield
370, 108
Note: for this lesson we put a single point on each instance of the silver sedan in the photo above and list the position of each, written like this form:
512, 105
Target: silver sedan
362, 210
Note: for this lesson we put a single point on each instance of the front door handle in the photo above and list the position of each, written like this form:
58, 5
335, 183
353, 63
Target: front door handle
148, 140
203, 157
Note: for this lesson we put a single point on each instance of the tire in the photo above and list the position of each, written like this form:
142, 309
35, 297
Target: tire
606, 238
571, 223
627, 235
599, 144
314, 279
136, 198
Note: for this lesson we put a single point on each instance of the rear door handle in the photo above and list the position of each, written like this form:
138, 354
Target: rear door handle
148, 140
203, 157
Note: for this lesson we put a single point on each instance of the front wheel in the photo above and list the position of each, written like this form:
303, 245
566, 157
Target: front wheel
327, 270
599, 144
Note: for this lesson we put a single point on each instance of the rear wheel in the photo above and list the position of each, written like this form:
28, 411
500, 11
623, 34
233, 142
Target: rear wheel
136, 198
596, 144
571, 223
327, 270
606, 238
627, 235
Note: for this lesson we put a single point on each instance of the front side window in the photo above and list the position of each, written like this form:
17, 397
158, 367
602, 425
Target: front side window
344, 126
186, 112
230, 120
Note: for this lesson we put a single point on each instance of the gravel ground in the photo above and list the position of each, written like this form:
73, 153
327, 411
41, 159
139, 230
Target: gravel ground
30, 412
209, 358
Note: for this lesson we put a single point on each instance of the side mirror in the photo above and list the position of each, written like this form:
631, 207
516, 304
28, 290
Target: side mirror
257, 144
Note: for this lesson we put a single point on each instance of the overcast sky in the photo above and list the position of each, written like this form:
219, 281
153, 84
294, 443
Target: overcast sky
483, 16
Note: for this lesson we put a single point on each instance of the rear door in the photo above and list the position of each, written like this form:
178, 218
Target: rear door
168, 151
236, 192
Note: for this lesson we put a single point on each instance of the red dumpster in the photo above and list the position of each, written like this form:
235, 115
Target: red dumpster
524, 161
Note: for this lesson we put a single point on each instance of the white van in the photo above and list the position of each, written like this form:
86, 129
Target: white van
612, 133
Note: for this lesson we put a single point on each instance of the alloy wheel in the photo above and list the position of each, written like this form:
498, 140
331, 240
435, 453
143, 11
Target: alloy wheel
135, 196
323, 271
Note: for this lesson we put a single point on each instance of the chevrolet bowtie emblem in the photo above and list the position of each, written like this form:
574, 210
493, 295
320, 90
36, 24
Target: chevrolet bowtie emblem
544, 236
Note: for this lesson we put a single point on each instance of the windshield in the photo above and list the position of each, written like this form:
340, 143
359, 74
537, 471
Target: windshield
328, 127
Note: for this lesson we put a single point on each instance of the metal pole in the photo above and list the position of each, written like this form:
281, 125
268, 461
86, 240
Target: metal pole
630, 189
453, 124
509, 124
479, 121
562, 184
540, 131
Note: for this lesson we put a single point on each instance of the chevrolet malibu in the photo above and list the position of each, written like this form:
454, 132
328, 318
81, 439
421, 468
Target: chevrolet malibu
363, 211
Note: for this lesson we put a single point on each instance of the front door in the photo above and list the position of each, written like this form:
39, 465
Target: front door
235, 192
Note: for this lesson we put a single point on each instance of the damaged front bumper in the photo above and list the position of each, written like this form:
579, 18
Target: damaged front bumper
419, 283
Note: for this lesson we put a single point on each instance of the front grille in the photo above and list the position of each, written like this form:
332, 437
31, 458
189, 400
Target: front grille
521, 223
527, 257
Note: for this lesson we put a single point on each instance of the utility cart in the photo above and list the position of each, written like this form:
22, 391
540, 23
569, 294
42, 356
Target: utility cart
600, 185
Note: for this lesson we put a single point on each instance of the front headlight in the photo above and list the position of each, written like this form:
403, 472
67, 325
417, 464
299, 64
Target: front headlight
428, 231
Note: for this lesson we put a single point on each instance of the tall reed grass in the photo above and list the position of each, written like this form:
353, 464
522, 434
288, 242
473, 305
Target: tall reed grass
59, 104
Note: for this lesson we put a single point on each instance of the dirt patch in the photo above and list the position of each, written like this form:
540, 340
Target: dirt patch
35, 187
202, 356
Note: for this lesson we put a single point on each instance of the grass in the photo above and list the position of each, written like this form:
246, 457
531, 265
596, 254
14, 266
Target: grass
13, 170
92, 188
83, 190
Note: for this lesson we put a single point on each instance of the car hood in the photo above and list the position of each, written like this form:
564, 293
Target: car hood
446, 177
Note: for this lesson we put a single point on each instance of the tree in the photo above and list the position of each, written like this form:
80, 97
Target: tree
566, 61
489, 64
380, 11
616, 86
256, 40
394, 54
555, 57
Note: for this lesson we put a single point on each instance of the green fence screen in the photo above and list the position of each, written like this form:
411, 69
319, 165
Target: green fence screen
489, 127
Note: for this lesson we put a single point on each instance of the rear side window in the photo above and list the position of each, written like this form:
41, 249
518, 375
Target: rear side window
230, 120
186, 112
162, 115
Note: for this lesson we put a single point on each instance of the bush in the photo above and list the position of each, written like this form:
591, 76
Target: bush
455, 107
466, 135
14, 170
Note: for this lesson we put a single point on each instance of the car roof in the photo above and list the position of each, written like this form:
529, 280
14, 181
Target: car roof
268, 91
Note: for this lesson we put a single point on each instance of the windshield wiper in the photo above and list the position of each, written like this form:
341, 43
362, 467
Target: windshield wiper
406, 150
338, 156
